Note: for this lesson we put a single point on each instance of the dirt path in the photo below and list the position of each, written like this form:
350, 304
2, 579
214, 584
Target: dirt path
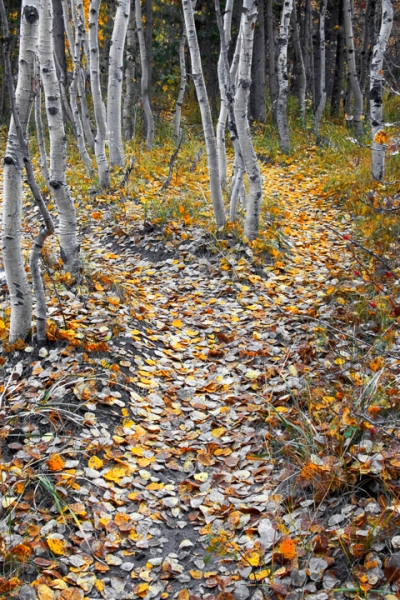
176, 469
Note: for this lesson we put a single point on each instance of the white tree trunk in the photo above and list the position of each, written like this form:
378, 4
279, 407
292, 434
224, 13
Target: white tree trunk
19, 289
351, 62
148, 115
283, 82
302, 77
322, 99
182, 88
254, 198
98, 104
224, 109
44, 167
58, 147
375, 93
129, 99
115, 77
73, 93
201, 91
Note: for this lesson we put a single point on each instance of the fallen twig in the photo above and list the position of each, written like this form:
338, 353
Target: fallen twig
172, 162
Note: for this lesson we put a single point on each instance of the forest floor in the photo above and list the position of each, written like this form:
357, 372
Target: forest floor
208, 420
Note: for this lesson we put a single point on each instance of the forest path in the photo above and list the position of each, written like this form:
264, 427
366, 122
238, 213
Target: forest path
209, 357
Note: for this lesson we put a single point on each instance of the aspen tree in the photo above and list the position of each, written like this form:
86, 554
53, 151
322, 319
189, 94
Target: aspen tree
182, 87
208, 128
351, 62
322, 99
224, 108
18, 286
98, 104
115, 77
281, 108
129, 98
301, 77
148, 114
254, 197
375, 93
58, 146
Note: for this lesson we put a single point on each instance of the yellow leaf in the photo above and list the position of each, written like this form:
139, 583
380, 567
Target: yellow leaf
253, 559
114, 300
177, 323
56, 546
44, 592
216, 433
260, 575
196, 574
339, 361
115, 474
95, 463
183, 595
201, 477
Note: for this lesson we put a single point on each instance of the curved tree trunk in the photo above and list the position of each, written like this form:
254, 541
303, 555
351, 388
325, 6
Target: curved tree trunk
281, 112
148, 115
222, 75
301, 79
253, 202
375, 94
351, 61
129, 99
115, 76
182, 88
58, 147
98, 104
19, 289
322, 82
211, 145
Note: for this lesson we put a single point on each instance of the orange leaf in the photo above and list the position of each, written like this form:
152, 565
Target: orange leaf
72, 593
288, 549
55, 462
22, 552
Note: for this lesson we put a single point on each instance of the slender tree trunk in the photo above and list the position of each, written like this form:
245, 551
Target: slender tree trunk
302, 79
198, 78
281, 113
98, 104
58, 147
351, 61
272, 71
308, 49
39, 130
182, 88
375, 94
19, 289
258, 105
339, 65
73, 88
254, 198
148, 114
59, 36
222, 75
115, 77
148, 35
129, 99
322, 82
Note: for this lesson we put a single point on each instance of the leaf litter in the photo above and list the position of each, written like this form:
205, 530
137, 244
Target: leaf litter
207, 420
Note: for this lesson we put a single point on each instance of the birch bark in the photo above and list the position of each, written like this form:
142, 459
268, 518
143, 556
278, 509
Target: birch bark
98, 104
253, 201
211, 145
351, 62
148, 115
375, 93
281, 112
302, 78
182, 88
19, 289
129, 100
222, 80
115, 77
322, 82
272, 74
58, 147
